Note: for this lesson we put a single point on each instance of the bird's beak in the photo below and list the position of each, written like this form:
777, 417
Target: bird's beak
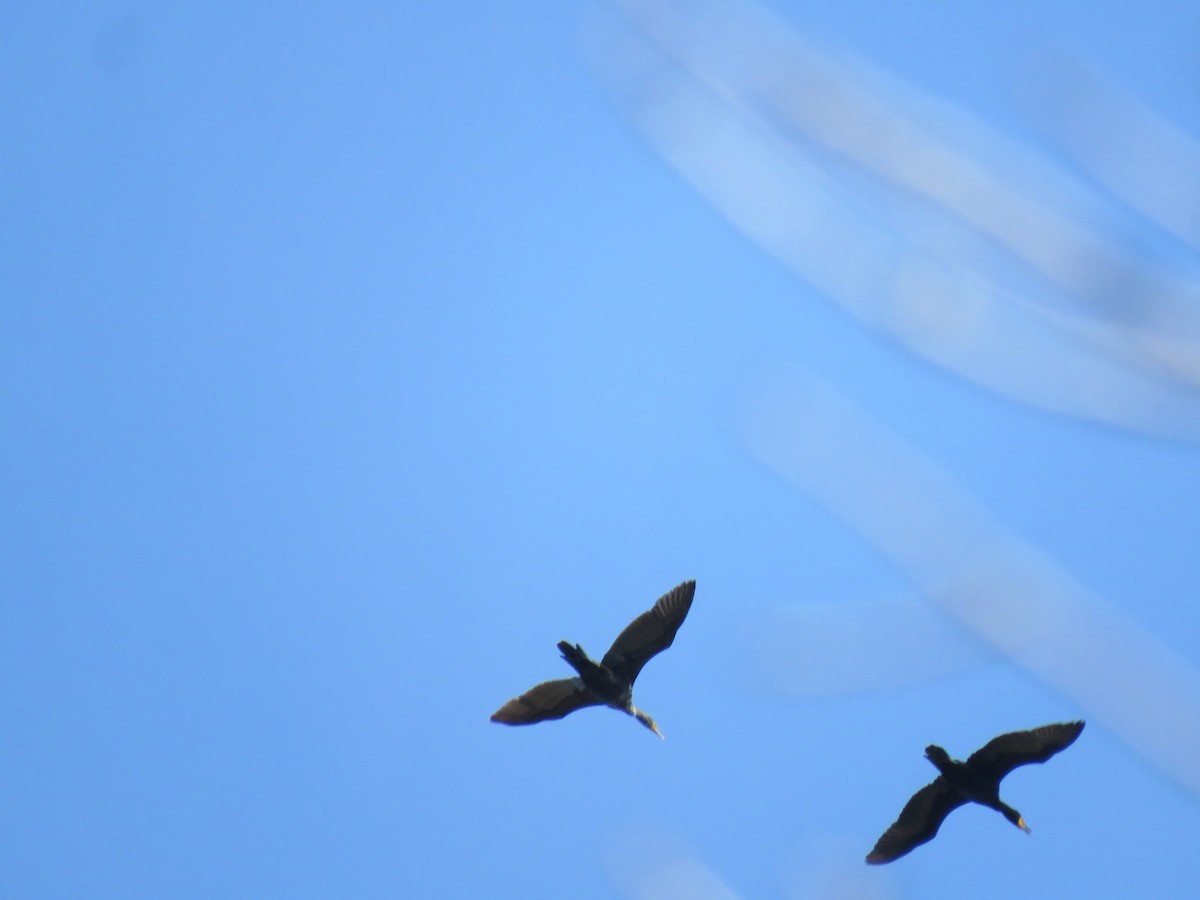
1021, 824
656, 731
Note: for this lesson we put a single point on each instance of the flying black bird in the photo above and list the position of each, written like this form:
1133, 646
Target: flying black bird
975, 781
610, 681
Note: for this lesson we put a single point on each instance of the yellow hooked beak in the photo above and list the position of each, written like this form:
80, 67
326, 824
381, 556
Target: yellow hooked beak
1021, 824
654, 728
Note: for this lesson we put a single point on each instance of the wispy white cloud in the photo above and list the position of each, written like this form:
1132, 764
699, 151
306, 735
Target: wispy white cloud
964, 246
658, 866
995, 585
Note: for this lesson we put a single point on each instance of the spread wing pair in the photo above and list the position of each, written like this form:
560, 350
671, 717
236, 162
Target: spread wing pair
610, 682
975, 781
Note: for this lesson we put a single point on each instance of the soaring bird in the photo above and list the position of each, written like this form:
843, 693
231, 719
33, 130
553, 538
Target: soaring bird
610, 681
975, 781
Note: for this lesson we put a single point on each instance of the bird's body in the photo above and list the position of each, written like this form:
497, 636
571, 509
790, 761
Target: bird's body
975, 781
610, 681
596, 678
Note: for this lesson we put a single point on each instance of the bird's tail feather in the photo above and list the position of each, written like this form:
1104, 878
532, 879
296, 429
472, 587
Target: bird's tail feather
575, 655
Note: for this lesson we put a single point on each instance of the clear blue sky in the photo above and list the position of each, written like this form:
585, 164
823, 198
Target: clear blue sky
351, 355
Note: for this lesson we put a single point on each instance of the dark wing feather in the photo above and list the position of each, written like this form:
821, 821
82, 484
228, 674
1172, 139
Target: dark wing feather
1001, 755
650, 633
548, 700
919, 821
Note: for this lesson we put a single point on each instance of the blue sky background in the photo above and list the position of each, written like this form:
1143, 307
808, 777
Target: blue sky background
353, 355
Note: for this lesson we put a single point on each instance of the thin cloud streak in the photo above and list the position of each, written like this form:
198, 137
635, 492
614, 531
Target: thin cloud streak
750, 116
992, 583
1146, 160
881, 644
662, 867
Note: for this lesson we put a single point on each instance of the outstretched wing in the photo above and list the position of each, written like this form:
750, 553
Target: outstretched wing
919, 821
650, 633
1001, 755
548, 700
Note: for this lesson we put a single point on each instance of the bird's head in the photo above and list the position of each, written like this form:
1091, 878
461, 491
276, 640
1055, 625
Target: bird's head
938, 757
1017, 819
647, 721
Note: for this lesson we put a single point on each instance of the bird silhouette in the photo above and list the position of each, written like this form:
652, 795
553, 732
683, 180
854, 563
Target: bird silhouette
975, 781
610, 681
